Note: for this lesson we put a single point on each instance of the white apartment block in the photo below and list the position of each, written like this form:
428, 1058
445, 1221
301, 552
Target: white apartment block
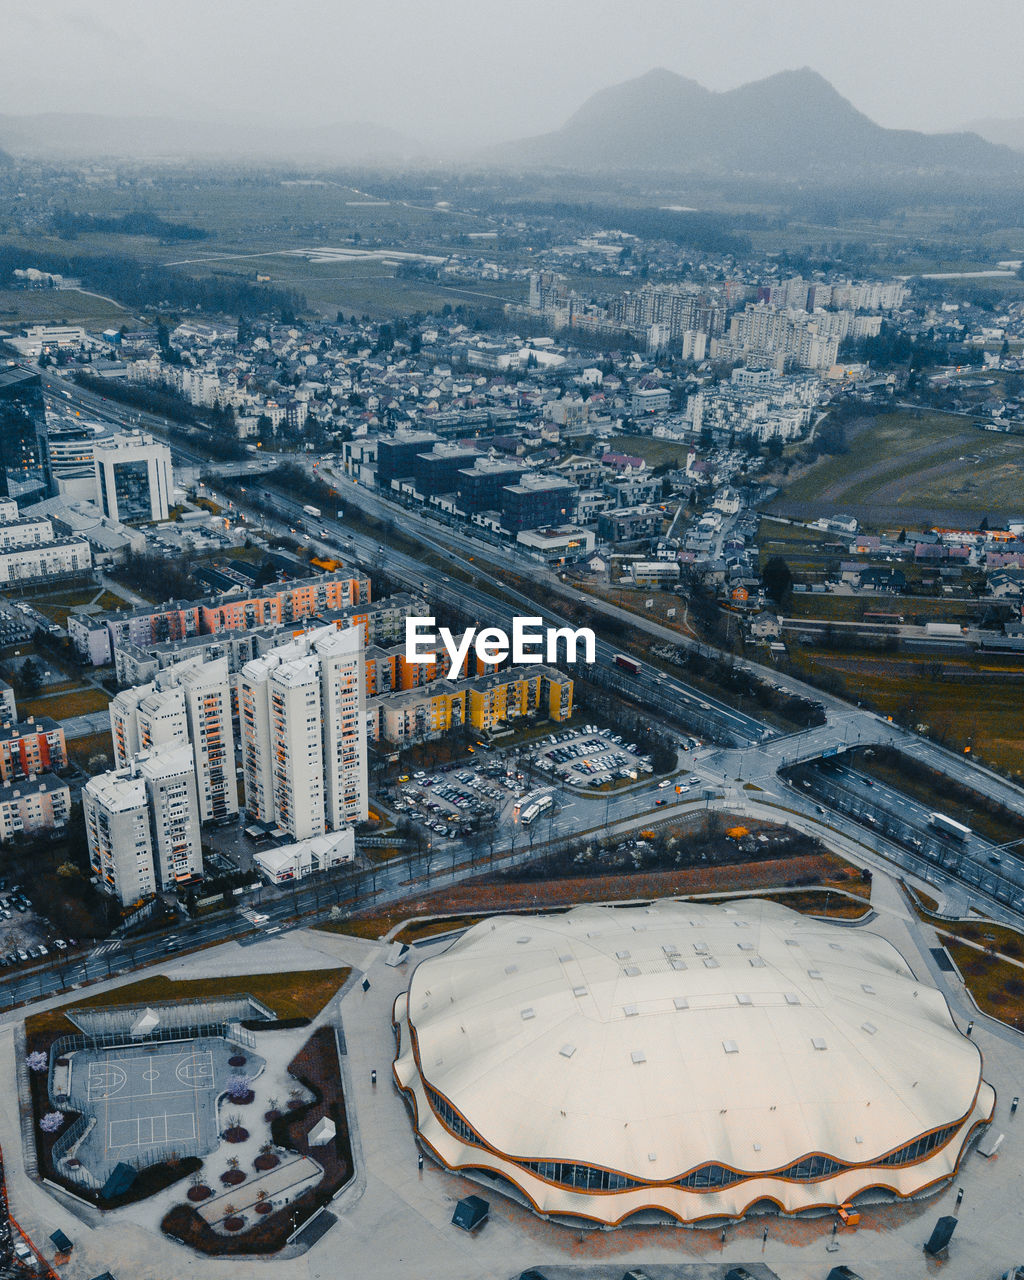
133, 477
117, 828
206, 689
142, 824
344, 715
8, 510
8, 709
51, 559
30, 531
302, 716
174, 813
145, 717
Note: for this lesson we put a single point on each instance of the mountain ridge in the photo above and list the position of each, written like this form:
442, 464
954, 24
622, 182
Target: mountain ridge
794, 121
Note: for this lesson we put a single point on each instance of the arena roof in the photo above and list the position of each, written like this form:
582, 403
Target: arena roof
687, 1057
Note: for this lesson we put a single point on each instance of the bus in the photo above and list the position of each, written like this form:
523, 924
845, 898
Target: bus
534, 809
954, 830
628, 664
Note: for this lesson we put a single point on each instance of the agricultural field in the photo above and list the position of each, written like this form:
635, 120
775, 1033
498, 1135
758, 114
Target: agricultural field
964, 703
912, 468
60, 306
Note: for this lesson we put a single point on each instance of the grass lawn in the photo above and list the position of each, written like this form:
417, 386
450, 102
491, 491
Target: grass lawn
882, 446
471, 901
635, 600
972, 704
656, 453
109, 600
301, 994
62, 705
82, 750
996, 985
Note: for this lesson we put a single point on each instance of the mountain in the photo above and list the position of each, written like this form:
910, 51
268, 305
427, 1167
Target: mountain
53, 136
792, 123
1004, 132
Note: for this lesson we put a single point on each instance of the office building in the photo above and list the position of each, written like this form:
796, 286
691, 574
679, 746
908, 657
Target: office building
133, 477
538, 501
22, 428
396, 455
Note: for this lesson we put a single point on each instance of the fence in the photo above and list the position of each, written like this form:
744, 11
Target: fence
179, 1019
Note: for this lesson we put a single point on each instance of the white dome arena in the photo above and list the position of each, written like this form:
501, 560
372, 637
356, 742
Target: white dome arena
690, 1060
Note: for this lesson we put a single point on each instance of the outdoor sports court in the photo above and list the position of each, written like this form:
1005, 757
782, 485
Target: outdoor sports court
149, 1099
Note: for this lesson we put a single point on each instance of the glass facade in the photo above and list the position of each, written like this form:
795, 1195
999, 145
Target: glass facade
22, 426
131, 487
707, 1177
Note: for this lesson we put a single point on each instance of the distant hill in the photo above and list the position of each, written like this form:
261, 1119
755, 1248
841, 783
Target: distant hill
789, 124
1005, 133
72, 136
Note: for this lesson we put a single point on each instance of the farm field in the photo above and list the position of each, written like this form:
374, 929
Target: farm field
911, 468
914, 610
60, 306
974, 704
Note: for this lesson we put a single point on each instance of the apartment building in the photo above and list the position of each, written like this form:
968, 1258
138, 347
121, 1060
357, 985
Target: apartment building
483, 702
142, 824
147, 716
302, 721
29, 531
31, 746
61, 558
206, 691
275, 605
8, 709
35, 803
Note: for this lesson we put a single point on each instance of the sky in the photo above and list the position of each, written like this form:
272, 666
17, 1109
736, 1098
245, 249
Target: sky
471, 72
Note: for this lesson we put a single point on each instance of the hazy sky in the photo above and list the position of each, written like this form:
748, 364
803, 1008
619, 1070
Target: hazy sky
483, 70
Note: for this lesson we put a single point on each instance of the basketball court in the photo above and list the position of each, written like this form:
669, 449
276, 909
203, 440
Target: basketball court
148, 1100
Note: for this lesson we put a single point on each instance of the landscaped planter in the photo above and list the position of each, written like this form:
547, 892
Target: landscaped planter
234, 1224
236, 1134
232, 1177
263, 1163
199, 1193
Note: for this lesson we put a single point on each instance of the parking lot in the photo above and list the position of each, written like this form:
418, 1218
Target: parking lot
24, 936
450, 801
592, 757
